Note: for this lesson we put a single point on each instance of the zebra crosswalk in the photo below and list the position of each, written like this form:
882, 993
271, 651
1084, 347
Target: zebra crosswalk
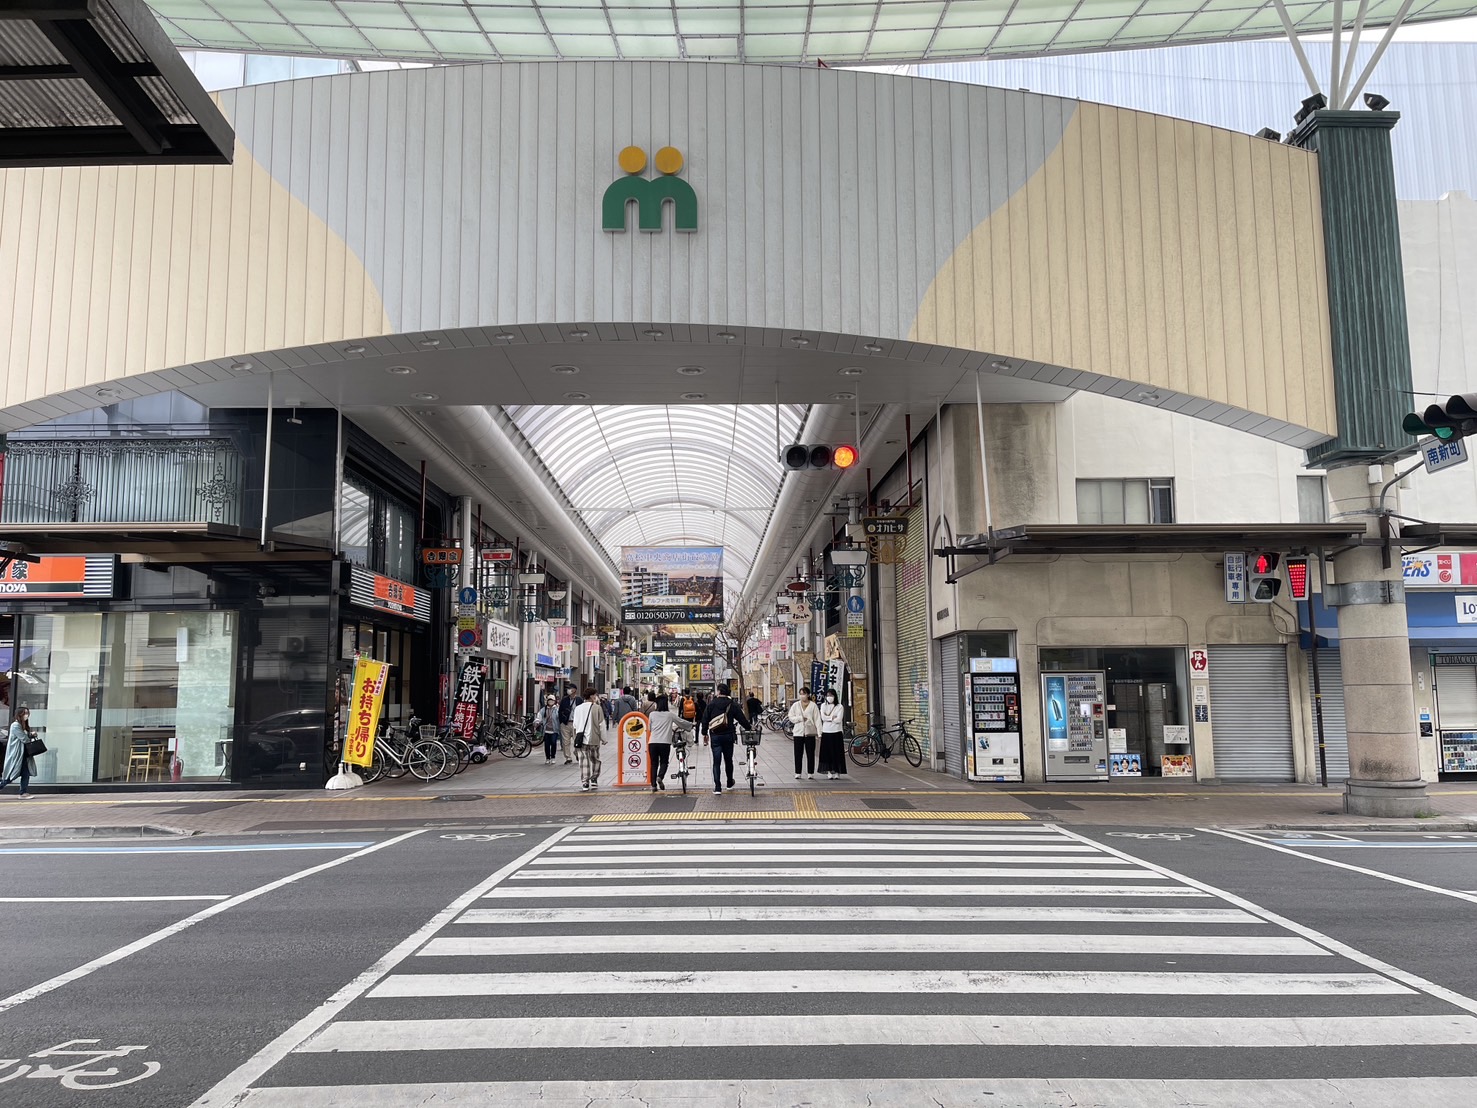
886, 966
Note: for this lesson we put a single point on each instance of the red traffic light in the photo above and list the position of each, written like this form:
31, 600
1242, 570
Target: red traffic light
844, 457
1297, 578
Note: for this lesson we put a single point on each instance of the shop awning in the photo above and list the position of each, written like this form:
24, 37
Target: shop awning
974, 552
1424, 536
1430, 621
172, 541
97, 82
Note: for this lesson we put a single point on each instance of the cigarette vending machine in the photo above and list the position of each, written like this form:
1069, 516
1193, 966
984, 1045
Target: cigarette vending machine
1074, 719
992, 712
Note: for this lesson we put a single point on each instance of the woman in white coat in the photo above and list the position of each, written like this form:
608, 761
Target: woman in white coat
589, 736
805, 729
833, 745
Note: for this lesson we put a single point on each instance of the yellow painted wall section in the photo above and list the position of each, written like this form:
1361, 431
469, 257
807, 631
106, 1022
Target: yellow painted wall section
1157, 251
125, 270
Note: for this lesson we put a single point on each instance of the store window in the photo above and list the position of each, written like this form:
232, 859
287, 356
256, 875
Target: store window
396, 647
1125, 500
377, 531
1145, 689
1312, 499
134, 697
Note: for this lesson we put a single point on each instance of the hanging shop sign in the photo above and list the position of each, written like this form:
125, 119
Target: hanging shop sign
469, 684
500, 638
541, 637
364, 710
59, 577
683, 648
672, 584
385, 594
441, 556
592, 648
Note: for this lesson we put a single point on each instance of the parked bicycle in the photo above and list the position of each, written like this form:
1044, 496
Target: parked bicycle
777, 718
396, 753
884, 742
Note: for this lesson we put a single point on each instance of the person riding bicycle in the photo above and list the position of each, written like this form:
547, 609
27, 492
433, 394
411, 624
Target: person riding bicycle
720, 724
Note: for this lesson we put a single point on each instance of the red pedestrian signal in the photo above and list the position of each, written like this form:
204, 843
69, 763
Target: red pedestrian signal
1264, 582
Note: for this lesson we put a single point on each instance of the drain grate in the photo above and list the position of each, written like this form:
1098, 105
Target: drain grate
461, 796
890, 804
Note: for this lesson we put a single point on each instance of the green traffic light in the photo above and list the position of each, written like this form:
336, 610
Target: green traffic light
1445, 434
1414, 424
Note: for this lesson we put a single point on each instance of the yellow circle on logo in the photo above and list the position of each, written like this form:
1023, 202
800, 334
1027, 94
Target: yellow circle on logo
633, 159
668, 160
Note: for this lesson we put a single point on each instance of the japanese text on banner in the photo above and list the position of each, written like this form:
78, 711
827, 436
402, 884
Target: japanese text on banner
364, 710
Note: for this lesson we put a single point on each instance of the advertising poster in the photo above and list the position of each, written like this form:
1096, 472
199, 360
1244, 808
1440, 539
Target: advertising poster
1056, 710
634, 767
1177, 765
1125, 765
364, 710
468, 699
671, 584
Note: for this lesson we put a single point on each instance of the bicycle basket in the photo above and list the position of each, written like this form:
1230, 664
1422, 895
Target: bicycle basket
751, 738
428, 731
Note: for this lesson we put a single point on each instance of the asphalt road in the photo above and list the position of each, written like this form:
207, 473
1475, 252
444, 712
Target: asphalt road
826, 964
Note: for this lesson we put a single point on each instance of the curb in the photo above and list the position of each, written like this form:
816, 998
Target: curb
1405, 825
135, 831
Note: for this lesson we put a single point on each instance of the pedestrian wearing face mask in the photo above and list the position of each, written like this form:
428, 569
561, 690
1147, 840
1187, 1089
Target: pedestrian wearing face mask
833, 746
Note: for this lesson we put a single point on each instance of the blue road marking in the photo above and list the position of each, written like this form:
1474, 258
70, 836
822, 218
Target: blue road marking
234, 849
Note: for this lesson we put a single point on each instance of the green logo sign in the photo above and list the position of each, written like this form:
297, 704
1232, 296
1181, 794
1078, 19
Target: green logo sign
650, 196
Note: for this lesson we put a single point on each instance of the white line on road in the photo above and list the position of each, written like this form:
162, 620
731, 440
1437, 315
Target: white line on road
526, 892
753, 982
234, 848
815, 1029
782, 835
233, 1085
828, 871
1467, 1004
584, 846
912, 913
972, 1092
597, 858
173, 929
1346, 843
632, 832
1408, 882
809, 942
104, 899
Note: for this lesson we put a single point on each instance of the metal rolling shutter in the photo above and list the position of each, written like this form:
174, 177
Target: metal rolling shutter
1456, 697
1250, 713
949, 734
913, 682
1335, 728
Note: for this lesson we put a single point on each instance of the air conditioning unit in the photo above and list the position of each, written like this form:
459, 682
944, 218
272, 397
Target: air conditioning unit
292, 644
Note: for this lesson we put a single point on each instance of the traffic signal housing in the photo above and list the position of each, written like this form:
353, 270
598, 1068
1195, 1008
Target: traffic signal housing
1263, 577
1455, 419
801, 455
1297, 578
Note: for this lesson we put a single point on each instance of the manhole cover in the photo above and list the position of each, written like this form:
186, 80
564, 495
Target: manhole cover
461, 796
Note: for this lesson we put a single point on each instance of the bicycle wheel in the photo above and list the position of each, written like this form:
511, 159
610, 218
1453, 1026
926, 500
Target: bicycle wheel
463, 751
426, 760
525, 744
507, 742
865, 749
912, 750
753, 772
375, 770
396, 765
449, 769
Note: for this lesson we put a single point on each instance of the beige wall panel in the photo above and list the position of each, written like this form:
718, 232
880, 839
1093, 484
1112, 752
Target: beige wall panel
1154, 280
1224, 155
99, 308
1177, 341
1100, 350
1070, 167
1186, 186
1307, 207
64, 251
1263, 286
1207, 218
1134, 311
1054, 212
1115, 279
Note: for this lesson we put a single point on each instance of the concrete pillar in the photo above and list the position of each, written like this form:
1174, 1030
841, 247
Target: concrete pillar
1384, 748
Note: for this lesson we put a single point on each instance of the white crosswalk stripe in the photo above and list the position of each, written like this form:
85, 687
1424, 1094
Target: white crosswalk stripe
613, 965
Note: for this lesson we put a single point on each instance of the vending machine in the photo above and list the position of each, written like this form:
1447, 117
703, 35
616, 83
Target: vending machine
992, 711
1074, 719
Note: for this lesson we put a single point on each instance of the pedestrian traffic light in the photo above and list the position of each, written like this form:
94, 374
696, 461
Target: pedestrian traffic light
1297, 578
1455, 419
801, 455
1264, 580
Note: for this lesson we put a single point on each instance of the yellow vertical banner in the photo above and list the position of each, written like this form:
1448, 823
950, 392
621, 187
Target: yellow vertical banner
364, 710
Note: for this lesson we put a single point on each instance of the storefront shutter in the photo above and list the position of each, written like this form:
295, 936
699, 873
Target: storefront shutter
1335, 729
950, 734
1250, 712
1456, 697
913, 644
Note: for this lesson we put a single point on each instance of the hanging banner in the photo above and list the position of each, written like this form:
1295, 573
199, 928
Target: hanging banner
469, 684
364, 710
592, 648
672, 584
634, 767
779, 639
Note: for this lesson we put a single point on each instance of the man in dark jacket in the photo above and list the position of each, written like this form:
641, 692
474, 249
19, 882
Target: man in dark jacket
720, 722
566, 723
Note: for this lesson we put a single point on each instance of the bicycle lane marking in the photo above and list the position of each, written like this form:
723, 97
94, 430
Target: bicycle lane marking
129, 949
1405, 977
235, 1084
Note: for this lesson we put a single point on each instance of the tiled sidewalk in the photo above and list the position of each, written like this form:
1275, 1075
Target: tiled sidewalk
524, 789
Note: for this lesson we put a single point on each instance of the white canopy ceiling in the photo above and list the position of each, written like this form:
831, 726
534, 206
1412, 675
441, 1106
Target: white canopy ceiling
786, 31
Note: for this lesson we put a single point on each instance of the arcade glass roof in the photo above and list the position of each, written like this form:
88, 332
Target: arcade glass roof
779, 31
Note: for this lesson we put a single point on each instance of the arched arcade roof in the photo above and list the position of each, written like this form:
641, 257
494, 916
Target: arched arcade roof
888, 31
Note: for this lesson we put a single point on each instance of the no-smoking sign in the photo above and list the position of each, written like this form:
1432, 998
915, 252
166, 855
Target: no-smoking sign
1199, 663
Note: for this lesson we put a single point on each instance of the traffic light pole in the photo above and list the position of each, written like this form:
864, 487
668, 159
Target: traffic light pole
1317, 681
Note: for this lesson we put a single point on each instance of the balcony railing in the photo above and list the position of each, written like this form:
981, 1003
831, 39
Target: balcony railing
122, 481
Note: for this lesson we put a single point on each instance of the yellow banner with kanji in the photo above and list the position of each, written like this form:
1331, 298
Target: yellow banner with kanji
364, 710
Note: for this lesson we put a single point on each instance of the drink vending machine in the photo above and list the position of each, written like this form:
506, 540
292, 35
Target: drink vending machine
992, 711
1074, 714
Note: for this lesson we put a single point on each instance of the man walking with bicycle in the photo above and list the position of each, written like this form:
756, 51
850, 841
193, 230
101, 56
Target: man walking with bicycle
720, 724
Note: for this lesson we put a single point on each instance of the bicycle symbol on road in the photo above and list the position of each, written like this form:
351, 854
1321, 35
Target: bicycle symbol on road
484, 838
1172, 836
77, 1075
